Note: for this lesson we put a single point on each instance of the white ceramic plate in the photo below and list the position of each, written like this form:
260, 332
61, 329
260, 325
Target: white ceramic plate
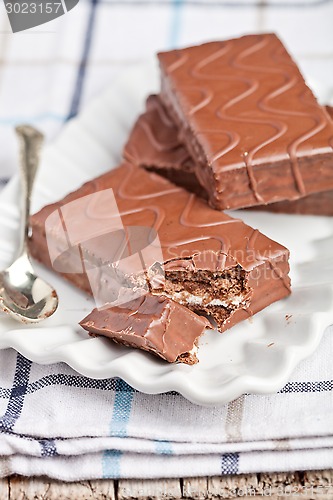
256, 356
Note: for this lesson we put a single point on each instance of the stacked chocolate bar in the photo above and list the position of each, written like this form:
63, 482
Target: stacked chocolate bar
234, 126
236, 123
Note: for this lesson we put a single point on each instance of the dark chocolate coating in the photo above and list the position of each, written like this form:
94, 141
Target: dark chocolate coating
193, 236
154, 144
253, 128
152, 323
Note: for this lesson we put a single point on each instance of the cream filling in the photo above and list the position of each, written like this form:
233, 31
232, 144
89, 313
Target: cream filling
193, 300
193, 351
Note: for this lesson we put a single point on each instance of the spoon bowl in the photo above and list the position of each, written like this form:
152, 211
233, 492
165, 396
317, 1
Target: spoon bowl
23, 295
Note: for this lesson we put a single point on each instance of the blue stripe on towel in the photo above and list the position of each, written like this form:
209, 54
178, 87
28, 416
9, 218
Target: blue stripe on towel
64, 379
59, 379
229, 463
121, 409
77, 95
48, 448
118, 427
111, 464
17, 394
176, 22
295, 387
163, 448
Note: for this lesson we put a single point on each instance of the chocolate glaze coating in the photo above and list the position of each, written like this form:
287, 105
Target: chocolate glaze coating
193, 236
313, 204
253, 128
154, 141
154, 144
152, 323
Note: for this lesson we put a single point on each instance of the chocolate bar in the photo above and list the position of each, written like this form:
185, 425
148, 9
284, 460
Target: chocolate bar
153, 323
209, 262
253, 128
313, 204
155, 145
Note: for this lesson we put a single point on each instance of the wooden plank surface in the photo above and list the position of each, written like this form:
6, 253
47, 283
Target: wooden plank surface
195, 487
153, 489
303, 485
20, 488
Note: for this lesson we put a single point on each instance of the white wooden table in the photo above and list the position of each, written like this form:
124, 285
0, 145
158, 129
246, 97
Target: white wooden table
305, 485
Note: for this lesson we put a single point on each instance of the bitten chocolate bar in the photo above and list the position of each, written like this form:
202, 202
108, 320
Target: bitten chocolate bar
153, 323
210, 262
155, 145
252, 126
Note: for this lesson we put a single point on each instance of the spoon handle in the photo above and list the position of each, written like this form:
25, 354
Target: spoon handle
30, 145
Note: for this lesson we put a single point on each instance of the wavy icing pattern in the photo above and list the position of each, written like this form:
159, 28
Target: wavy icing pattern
154, 142
186, 225
185, 236
250, 90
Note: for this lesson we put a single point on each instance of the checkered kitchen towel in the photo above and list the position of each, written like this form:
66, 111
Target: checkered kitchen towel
56, 422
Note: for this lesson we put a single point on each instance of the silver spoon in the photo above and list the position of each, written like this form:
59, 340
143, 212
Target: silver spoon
23, 295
